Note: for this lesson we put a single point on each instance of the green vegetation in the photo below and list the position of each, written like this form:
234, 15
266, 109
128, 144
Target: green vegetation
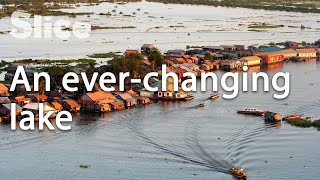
56, 74
94, 27
31, 61
131, 63
304, 123
310, 6
263, 26
156, 59
38, 7
104, 55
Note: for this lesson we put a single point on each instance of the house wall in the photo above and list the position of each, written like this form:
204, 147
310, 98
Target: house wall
165, 94
85, 97
146, 94
254, 62
308, 55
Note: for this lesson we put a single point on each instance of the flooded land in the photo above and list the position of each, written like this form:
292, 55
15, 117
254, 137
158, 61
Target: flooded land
171, 140
168, 26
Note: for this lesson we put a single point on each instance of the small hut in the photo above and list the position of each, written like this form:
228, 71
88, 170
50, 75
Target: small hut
271, 116
71, 105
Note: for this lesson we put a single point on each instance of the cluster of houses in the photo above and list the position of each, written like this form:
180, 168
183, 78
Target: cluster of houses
232, 57
99, 101
198, 60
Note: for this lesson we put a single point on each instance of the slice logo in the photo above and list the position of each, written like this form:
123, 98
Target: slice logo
46, 27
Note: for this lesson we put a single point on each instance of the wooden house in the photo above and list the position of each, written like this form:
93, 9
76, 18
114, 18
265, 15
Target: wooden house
179, 60
310, 53
140, 100
117, 105
130, 51
231, 65
5, 100
22, 100
176, 53
5, 111
251, 61
228, 48
239, 47
271, 57
147, 48
205, 67
38, 97
34, 108
289, 53
4, 91
56, 106
213, 48
100, 101
70, 105
128, 100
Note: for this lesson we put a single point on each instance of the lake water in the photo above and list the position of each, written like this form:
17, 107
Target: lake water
166, 26
176, 140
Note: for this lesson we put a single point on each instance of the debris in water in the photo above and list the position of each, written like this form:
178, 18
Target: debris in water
84, 166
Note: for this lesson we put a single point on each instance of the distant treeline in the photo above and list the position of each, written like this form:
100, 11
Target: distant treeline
310, 6
18, 2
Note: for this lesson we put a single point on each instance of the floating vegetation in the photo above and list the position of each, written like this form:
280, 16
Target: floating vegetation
178, 26
304, 123
95, 27
103, 55
257, 30
278, 5
84, 166
4, 32
263, 26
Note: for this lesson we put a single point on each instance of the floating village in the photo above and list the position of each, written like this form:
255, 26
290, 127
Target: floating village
195, 60
148, 58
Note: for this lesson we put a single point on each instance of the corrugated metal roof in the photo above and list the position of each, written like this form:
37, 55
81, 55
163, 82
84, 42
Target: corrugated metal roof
8, 106
100, 95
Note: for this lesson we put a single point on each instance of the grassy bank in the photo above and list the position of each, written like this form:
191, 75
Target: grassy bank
104, 55
310, 6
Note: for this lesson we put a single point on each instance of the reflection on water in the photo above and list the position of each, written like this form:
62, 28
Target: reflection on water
168, 140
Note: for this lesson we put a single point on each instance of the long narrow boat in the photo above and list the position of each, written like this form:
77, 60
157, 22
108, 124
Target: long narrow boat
251, 111
214, 96
201, 105
239, 173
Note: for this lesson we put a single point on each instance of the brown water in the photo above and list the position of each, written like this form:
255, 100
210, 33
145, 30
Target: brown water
176, 140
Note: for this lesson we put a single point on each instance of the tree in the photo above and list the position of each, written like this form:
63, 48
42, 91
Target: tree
157, 57
56, 74
136, 56
208, 56
42, 87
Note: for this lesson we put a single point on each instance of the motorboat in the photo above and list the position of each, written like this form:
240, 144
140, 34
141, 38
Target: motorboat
251, 111
239, 173
294, 117
214, 96
201, 105
189, 97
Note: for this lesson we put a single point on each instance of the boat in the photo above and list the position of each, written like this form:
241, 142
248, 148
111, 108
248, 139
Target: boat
251, 111
189, 97
201, 105
271, 116
214, 96
238, 173
294, 117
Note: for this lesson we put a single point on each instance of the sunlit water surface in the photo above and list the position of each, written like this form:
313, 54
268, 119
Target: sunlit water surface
177, 140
